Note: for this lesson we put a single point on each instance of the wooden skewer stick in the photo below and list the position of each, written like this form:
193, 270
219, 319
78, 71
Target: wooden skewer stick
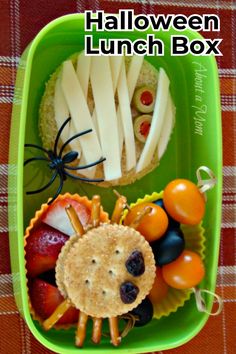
135, 223
57, 314
97, 330
121, 203
114, 331
74, 219
95, 213
81, 329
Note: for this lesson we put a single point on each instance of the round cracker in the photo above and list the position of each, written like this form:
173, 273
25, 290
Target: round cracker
94, 269
48, 128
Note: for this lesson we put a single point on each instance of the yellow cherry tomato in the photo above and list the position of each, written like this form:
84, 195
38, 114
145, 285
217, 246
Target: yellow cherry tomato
185, 272
153, 225
159, 288
183, 202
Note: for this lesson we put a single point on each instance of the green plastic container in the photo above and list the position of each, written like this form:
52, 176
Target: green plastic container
196, 141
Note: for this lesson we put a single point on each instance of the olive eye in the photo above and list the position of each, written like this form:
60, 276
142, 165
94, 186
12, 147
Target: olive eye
135, 264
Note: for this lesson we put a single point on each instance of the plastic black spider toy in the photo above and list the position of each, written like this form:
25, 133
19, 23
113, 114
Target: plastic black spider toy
59, 163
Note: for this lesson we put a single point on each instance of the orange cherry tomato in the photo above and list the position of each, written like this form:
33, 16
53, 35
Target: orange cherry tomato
185, 272
153, 225
183, 202
159, 288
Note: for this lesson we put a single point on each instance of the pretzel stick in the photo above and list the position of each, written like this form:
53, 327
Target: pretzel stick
57, 314
97, 330
81, 329
121, 203
135, 223
95, 213
74, 219
114, 331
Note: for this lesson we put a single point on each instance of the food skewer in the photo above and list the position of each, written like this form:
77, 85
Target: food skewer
135, 223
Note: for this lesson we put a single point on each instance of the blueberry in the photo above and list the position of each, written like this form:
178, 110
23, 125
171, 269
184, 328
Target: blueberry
144, 312
128, 292
135, 264
173, 224
169, 247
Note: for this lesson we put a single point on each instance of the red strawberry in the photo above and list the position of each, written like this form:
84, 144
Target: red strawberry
56, 216
45, 298
43, 247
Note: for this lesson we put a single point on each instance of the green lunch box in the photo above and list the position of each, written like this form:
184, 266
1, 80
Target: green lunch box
195, 141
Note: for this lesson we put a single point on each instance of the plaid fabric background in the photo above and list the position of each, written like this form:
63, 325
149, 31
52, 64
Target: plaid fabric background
19, 23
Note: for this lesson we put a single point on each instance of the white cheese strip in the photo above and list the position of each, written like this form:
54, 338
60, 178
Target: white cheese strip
157, 122
132, 78
79, 111
82, 71
166, 128
133, 73
103, 93
126, 119
115, 62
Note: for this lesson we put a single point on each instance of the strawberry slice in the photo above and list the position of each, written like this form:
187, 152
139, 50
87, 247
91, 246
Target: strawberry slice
56, 216
45, 298
42, 249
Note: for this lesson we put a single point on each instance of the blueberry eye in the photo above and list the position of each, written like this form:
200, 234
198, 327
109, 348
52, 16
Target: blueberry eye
135, 264
128, 292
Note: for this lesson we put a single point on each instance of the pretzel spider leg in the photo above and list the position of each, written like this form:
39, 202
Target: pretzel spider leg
114, 331
56, 315
74, 220
81, 329
97, 330
95, 212
121, 203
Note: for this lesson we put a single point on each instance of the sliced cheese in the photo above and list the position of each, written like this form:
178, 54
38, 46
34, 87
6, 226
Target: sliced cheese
133, 73
79, 111
157, 122
103, 93
115, 62
166, 128
132, 78
82, 71
125, 116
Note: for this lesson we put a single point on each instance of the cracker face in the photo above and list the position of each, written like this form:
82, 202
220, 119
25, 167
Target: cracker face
94, 269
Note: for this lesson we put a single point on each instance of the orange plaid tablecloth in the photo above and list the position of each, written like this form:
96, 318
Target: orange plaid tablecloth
20, 22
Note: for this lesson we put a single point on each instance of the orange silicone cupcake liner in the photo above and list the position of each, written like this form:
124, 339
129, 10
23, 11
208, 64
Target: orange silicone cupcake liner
35, 221
194, 241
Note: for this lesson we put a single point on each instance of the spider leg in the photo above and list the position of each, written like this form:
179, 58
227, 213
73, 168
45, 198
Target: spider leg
83, 178
35, 159
72, 138
59, 134
46, 185
37, 147
102, 159
59, 189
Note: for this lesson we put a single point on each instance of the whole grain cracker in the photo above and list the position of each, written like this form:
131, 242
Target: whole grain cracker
94, 268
